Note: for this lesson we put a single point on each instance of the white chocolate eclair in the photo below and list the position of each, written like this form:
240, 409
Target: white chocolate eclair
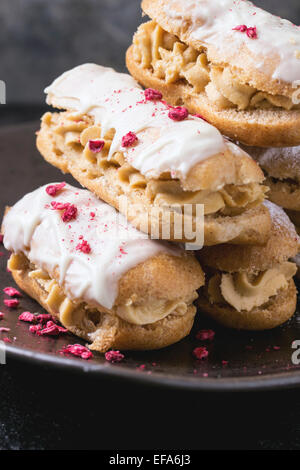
120, 141
104, 280
234, 63
252, 288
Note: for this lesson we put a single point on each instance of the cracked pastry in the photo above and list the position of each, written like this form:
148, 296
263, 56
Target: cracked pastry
235, 64
105, 281
121, 142
252, 288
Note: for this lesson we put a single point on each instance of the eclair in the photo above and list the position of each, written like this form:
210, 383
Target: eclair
127, 144
282, 170
235, 64
104, 280
248, 287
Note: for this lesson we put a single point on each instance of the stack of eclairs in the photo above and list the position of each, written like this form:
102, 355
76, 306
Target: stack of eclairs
207, 117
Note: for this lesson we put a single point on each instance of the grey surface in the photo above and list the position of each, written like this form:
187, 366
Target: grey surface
40, 39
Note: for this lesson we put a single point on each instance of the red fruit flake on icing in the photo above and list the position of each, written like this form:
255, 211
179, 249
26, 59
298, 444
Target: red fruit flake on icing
69, 210
178, 114
92, 214
96, 146
200, 353
205, 335
4, 330
27, 316
84, 247
12, 292
242, 28
252, 33
1, 238
70, 213
114, 356
77, 350
11, 303
153, 95
54, 189
129, 139
123, 252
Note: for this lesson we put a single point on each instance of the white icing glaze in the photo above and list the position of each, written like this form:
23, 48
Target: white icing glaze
35, 229
213, 22
116, 101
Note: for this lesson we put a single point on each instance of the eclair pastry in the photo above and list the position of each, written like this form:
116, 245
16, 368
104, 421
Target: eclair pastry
120, 141
105, 281
252, 288
235, 64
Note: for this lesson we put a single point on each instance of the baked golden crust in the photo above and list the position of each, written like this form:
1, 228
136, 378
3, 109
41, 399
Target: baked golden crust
106, 330
273, 127
251, 226
284, 193
283, 243
275, 312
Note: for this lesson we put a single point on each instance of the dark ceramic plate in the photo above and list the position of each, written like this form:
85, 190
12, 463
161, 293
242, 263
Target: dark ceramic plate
237, 360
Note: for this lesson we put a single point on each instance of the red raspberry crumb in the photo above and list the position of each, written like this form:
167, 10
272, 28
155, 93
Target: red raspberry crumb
205, 335
70, 213
242, 28
51, 330
252, 33
84, 247
92, 214
153, 95
2, 329
178, 114
27, 316
11, 303
129, 139
1, 238
114, 356
7, 340
12, 292
35, 328
96, 146
200, 353
1, 316
59, 206
54, 189
44, 317
77, 350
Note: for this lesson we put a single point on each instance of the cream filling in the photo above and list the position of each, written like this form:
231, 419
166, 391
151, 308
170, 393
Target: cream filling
77, 131
244, 292
172, 61
133, 311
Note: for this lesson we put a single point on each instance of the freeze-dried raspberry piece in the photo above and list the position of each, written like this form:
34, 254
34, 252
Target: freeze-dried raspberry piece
78, 351
11, 303
153, 95
70, 213
178, 114
54, 189
60, 206
7, 340
129, 139
12, 292
205, 335
27, 316
84, 247
35, 328
51, 330
252, 33
44, 317
114, 356
200, 353
242, 28
96, 146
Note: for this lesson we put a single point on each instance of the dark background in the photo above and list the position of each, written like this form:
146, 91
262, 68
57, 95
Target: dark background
44, 409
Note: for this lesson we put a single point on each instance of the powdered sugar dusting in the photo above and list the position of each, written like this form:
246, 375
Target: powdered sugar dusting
269, 158
280, 219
